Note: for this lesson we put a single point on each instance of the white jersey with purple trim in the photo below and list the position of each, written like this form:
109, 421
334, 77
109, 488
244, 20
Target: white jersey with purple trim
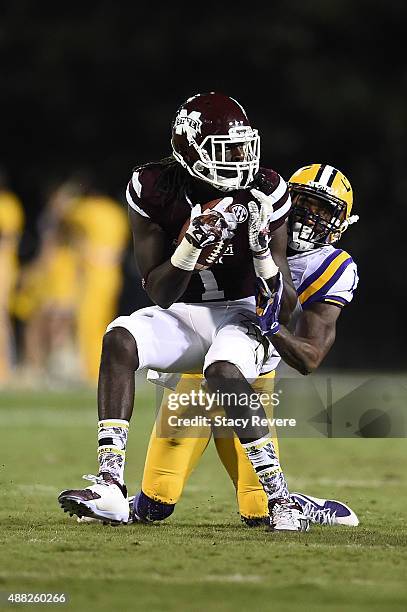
327, 275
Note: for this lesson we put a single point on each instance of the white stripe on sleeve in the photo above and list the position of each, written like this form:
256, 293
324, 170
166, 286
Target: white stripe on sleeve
134, 206
279, 192
136, 183
280, 212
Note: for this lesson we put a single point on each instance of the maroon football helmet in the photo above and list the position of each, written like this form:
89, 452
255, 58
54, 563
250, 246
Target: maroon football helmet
206, 130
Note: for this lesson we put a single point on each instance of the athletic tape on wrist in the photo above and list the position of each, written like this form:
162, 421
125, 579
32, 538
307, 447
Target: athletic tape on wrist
264, 265
185, 256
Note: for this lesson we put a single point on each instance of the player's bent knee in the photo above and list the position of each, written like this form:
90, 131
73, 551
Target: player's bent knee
252, 503
222, 369
120, 346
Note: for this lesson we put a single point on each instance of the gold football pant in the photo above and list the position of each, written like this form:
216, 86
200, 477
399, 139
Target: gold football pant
171, 459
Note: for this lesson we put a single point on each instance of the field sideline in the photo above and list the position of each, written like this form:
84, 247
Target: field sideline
202, 558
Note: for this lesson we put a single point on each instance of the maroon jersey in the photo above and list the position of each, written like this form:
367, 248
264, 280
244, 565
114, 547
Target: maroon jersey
233, 276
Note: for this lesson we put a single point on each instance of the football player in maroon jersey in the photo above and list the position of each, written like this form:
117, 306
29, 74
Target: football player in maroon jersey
200, 319
326, 278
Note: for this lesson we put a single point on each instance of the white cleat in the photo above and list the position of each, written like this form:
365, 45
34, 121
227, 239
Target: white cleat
105, 500
133, 518
286, 515
326, 511
87, 519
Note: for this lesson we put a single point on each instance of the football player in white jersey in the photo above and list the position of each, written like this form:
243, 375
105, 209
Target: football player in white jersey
325, 278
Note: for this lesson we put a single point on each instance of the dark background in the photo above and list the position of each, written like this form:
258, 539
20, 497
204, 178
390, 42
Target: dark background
95, 85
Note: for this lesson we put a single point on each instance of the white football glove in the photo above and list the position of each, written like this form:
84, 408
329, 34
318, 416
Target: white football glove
259, 234
259, 220
212, 225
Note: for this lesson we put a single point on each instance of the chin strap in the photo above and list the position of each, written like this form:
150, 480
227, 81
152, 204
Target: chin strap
336, 235
344, 226
352, 219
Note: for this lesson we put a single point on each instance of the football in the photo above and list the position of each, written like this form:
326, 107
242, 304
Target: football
211, 253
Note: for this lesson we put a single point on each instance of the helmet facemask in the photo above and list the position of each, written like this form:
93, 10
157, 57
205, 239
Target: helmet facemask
211, 162
315, 220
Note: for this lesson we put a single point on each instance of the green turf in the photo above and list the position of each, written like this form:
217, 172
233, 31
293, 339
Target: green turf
202, 558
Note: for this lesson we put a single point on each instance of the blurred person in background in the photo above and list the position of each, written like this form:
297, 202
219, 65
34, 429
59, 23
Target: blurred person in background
70, 293
11, 226
101, 235
46, 300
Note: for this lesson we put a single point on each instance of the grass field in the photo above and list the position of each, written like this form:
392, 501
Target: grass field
202, 558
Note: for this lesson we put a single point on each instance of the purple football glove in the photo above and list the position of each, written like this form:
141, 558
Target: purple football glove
268, 304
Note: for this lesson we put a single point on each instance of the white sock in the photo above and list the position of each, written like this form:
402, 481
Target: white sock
263, 457
112, 440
